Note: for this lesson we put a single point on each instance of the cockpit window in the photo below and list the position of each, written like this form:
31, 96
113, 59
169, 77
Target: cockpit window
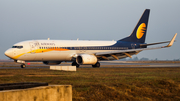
17, 46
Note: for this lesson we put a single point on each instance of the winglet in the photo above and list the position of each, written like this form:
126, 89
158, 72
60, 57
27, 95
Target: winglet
172, 41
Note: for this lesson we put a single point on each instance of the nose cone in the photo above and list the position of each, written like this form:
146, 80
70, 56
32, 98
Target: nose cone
9, 53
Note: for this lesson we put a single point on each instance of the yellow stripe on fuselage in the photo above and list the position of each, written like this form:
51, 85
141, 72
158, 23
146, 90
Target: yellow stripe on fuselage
17, 56
47, 50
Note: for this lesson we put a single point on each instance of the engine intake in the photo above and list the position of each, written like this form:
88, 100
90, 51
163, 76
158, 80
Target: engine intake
86, 59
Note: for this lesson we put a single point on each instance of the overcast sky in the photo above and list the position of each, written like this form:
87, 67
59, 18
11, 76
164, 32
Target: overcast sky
89, 20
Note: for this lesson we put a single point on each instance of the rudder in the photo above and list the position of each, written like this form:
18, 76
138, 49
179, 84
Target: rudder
139, 33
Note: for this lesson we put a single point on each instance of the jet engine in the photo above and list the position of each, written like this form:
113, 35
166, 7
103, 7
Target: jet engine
52, 62
86, 59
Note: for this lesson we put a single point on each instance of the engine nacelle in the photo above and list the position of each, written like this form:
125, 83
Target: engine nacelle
86, 59
52, 62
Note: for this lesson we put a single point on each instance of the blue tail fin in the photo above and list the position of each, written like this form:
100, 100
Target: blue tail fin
139, 32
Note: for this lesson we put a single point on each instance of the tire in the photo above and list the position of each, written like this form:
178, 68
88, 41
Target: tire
75, 64
97, 65
23, 66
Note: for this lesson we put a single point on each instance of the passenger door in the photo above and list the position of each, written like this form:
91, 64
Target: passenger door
32, 47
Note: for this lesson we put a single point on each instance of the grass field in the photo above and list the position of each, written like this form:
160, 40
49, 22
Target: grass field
96, 84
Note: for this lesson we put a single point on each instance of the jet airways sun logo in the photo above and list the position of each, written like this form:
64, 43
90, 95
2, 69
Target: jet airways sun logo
141, 30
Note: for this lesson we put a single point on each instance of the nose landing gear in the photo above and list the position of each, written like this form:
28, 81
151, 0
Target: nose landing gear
23, 65
21, 62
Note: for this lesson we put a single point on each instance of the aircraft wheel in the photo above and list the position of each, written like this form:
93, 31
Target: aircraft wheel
75, 64
23, 66
97, 65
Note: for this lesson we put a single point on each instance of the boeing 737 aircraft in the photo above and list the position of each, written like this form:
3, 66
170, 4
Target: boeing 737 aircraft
84, 52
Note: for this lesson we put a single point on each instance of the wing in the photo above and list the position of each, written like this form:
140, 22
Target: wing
116, 55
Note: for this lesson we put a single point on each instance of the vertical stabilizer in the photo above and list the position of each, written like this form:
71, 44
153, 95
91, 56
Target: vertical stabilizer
139, 32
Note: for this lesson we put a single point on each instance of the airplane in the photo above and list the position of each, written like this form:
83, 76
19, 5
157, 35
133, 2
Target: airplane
79, 52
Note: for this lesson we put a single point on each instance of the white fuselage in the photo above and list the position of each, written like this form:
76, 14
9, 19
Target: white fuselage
56, 50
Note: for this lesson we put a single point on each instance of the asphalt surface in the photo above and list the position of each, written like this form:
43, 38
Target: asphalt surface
133, 64
104, 64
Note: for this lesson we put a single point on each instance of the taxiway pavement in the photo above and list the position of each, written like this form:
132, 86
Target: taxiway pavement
104, 64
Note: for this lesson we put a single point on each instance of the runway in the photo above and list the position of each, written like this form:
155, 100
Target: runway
140, 64
104, 64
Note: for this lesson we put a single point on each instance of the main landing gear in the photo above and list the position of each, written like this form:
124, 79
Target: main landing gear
97, 65
23, 65
75, 64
